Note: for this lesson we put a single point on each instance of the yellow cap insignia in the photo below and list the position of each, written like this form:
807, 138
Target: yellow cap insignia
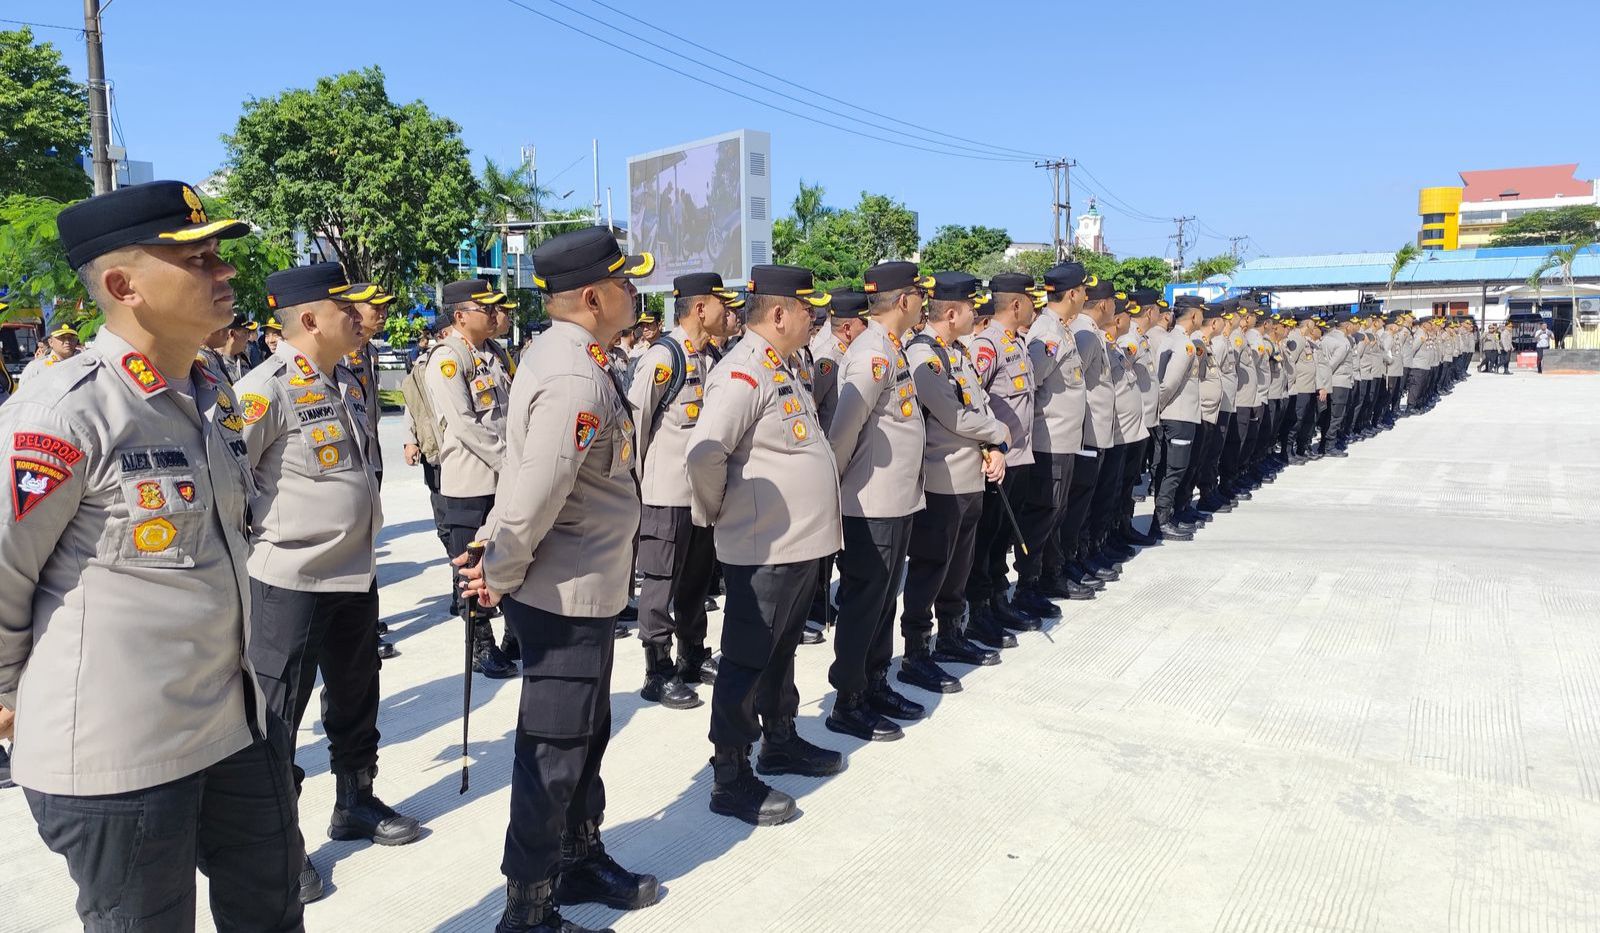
197, 211
154, 536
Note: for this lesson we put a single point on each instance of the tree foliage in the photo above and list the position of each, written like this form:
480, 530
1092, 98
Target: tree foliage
254, 256
1543, 228
955, 248
44, 121
33, 266
388, 186
1204, 269
843, 244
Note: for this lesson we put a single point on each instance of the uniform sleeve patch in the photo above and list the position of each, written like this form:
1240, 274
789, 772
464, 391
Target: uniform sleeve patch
1050, 347
32, 481
985, 358
744, 377
662, 375
933, 364
880, 368
825, 367
255, 407
47, 444
587, 428
447, 367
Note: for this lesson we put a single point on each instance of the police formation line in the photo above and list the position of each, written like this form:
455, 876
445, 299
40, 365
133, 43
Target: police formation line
189, 545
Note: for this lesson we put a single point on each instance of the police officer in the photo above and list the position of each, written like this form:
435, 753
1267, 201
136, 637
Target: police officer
63, 344
1300, 356
221, 351
271, 333
1059, 408
8, 386
469, 388
1180, 370
1219, 392
142, 739
1000, 361
1135, 407
360, 387
558, 544
847, 318
1337, 377
676, 557
1097, 475
877, 436
313, 535
965, 449
763, 474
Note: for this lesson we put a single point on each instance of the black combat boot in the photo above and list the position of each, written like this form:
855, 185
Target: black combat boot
696, 665
951, 645
663, 685
812, 633
737, 792
1010, 618
986, 630
1031, 599
852, 716
886, 701
509, 646
783, 751
918, 669
530, 908
486, 657
1003, 607
359, 814
590, 876
311, 888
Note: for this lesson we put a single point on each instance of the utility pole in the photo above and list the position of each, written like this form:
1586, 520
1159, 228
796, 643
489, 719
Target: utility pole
596, 182
99, 109
1060, 198
1235, 244
1180, 221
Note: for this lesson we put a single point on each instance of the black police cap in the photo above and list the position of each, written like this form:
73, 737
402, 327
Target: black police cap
1214, 310
954, 286
1186, 302
701, 283
893, 276
786, 282
1013, 283
478, 290
158, 213
1099, 291
848, 303
1127, 305
570, 261
321, 281
1067, 276
239, 321
1148, 297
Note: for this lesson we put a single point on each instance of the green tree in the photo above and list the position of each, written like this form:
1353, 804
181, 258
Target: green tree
1204, 269
32, 263
888, 229
388, 186
504, 196
44, 121
1142, 272
841, 245
955, 248
255, 256
808, 208
1404, 256
1542, 228
1096, 264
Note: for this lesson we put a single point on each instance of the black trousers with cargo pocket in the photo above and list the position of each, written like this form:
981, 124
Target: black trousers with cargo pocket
563, 727
762, 620
1044, 487
677, 559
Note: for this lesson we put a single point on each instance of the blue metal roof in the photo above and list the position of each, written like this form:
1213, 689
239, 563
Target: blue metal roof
1355, 270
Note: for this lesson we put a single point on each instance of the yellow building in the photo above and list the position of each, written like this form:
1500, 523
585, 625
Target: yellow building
1441, 218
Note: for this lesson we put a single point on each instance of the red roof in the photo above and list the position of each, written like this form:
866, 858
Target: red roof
1521, 184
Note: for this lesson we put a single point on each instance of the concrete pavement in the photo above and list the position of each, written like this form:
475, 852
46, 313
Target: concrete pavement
1369, 699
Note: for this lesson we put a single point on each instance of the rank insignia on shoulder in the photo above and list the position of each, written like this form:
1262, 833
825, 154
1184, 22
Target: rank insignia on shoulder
142, 372
598, 354
587, 427
773, 357
305, 367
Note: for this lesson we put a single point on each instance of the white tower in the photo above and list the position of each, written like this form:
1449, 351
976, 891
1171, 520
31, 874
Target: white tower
1090, 234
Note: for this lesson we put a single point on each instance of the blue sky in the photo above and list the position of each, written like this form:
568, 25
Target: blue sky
1307, 127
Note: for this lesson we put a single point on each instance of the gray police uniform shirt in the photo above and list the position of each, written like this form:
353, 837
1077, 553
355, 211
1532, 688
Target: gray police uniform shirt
1141, 361
1061, 402
1129, 399
959, 420
1225, 351
1180, 370
1000, 361
125, 624
1506, 343
1336, 363
469, 390
314, 526
1409, 348
38, 366
1211, 379
828, 351
1300, 352
661, 445
877, 431
1100, 420
363, 366
761, 469
560, 536
1250, 384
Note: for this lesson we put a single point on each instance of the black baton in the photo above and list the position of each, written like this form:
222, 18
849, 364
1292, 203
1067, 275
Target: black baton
474, 555
1011, 517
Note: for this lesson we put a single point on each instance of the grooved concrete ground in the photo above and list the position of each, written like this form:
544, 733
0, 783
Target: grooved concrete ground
1367, 700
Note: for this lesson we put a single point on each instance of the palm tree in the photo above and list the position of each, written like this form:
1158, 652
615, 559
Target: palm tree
808, 208
1564, 257
1224, 264
505, 196
1404, 256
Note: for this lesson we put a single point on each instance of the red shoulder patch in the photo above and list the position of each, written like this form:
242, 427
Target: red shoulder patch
47, 444
135, 365
588, 426
32, 481
744, 377
598, 354
985, 358
880, 368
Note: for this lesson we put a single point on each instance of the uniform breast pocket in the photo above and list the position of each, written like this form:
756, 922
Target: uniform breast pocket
326, 448
168, 510
799, 430
621, 438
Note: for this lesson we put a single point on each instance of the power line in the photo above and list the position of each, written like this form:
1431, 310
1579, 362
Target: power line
1106, 195
23, 22
753, 100
809, 90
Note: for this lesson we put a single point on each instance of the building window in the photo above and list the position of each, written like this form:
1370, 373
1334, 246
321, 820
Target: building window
1431, 235
1432, 219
